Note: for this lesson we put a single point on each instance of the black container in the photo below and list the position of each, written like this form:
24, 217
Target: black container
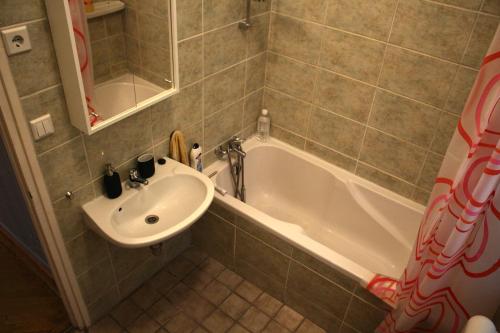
146, 165
112, 183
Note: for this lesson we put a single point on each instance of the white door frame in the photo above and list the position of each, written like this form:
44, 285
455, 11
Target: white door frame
17, 137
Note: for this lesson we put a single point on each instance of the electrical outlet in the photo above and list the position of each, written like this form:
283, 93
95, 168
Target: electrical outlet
42, 127
16, 40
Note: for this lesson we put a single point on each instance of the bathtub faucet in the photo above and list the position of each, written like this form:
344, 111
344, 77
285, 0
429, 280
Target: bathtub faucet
233, 145
236, 165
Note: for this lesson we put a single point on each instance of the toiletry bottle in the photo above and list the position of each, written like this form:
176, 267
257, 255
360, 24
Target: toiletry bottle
263, 126
112, 183
195, 157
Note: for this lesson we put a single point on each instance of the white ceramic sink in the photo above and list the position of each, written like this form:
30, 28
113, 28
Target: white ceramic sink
176, 194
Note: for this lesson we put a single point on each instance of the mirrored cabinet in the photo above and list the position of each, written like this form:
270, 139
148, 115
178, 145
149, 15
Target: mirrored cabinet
116, 58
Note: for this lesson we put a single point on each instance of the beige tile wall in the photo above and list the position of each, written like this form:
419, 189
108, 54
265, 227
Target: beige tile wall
222, 79
375, 87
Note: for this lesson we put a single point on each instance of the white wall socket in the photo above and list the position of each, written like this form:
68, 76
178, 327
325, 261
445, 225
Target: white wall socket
16, 40
42, 127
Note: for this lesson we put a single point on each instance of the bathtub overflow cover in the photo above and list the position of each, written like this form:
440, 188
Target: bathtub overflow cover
152, 219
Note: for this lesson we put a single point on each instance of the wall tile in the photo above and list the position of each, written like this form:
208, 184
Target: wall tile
351, 55
224, 88
50, 101
287, 137
446, 128
363, 317
97, 281
220, 244
385, 180
69, 213
423, 78
265, 236
392, 155
482, 35
317, 290
255, 73
104, 304
159, 8
296, 39
119, 142
432, 28
421, 196
258, 34
460, 90
97, 28
406, 119
287, 112
430, 171
190, 61
189, 18
217, 13
86, 250
260, 7
372, 19
223, 48
331, 156
344, 96
290, 77
311, 10
223, 124
153, 29
178, 112
253, 107
469, 4
36, 69
16, 11
114, 24
491, 7
336, 132
65, 168
154, 59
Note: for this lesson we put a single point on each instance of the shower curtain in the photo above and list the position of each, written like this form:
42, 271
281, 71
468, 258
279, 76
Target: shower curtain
80, 30
453, 272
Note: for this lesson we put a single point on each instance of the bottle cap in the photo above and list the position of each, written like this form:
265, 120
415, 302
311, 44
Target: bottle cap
264, 112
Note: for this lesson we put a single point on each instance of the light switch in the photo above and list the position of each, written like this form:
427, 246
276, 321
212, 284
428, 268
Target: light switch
16, 40
42, 127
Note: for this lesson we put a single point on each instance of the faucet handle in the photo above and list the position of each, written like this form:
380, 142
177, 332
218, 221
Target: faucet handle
133, 174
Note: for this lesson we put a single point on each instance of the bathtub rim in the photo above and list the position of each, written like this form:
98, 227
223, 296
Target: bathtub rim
292, 235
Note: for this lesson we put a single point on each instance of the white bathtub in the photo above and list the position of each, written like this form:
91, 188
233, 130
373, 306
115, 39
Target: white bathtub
345, 221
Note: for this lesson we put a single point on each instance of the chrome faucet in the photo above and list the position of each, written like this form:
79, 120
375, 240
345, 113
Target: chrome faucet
233, 145
134, 180
236, 165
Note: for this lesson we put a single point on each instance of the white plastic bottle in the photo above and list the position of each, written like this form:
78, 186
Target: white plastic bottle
263, 126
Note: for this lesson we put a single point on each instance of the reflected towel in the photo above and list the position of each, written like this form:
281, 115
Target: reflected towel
178, 149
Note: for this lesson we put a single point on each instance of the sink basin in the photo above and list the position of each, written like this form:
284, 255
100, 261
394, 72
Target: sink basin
175, 198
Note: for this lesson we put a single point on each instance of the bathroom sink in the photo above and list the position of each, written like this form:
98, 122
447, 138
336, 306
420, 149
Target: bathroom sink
174, 199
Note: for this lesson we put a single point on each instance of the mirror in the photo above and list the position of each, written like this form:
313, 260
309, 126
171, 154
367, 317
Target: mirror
115, 57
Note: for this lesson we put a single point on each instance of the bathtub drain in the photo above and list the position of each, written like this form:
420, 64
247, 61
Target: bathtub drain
152, 219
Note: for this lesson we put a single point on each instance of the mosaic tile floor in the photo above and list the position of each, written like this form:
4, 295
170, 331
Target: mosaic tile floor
195, 293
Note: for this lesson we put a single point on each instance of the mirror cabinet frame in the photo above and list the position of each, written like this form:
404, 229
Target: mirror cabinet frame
71, 77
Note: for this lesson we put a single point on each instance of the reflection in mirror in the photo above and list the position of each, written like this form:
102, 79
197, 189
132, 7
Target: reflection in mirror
124, 50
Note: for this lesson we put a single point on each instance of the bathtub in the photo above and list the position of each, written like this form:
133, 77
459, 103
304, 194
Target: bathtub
114, 96
347, 222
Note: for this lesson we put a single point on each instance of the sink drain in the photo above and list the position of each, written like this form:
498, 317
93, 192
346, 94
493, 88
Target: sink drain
152, 219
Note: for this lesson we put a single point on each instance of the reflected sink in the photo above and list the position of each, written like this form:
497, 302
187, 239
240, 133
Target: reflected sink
176, 197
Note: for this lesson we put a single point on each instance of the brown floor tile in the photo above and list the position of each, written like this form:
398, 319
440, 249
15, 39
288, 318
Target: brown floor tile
179, 294
229, 278
162, 311
145, 296
197, 280
215, 292
105, 325
197, 307
218, 322
200, 329
289, 318
126, 312
181, 323
180, 267
143, 324
163, 281
234, 306
309, 327
195, 255
212, 267
274, 327
268, 304
254, 320
248, 291
238, 329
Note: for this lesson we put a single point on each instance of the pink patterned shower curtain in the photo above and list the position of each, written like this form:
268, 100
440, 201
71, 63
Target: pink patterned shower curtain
80, 30
453, 272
